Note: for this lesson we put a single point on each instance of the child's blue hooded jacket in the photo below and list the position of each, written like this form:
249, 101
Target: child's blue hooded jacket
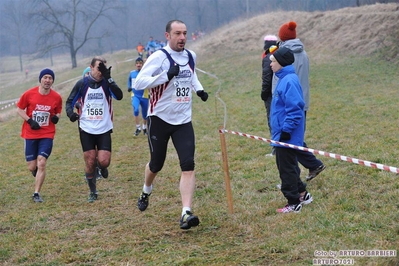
287, 107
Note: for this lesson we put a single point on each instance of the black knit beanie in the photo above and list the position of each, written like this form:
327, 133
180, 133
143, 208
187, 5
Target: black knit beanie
284, 56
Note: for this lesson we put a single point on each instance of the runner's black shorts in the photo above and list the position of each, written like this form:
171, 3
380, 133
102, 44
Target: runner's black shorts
92, 141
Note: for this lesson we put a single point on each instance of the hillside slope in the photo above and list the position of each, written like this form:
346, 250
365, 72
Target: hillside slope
357, 31
349, 31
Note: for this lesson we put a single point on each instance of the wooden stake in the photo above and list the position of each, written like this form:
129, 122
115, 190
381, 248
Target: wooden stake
226, 171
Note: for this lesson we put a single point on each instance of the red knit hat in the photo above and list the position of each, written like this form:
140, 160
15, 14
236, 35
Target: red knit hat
287, 31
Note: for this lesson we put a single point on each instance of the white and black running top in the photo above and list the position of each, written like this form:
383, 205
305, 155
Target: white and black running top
169, 100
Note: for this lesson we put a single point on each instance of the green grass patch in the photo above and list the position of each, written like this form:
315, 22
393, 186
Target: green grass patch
353, 112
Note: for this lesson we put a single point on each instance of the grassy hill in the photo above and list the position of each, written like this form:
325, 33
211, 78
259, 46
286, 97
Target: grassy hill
353, 112
358, 31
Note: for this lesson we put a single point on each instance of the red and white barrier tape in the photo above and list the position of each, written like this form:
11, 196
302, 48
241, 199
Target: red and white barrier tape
326, 154
8, 105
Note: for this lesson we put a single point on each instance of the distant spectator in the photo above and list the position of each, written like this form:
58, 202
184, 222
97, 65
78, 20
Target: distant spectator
150, 47
269, 46
86, 72
157, 45
196, 35
140, 49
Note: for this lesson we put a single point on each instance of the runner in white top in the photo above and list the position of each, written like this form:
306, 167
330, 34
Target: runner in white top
93, 95
170, 76
95, 117
170, 101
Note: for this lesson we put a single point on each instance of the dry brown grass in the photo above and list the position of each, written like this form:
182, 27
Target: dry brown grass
347, 31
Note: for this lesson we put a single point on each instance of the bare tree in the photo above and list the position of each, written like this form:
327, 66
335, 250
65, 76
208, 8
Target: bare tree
85, 27
17, 22
71, 24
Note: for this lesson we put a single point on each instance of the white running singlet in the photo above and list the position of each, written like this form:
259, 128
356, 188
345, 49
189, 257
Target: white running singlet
96, 115
169, 100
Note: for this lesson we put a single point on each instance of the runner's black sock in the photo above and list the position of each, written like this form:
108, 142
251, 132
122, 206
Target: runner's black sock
91, 182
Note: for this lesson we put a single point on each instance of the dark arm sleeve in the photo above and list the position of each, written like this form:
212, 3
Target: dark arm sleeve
116, 91
73, 96
267, 77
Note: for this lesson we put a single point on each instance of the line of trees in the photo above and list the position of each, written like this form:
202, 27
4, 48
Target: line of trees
42, 28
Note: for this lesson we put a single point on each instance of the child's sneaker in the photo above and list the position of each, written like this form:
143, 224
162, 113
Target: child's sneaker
290, 208
306, 198
312, 174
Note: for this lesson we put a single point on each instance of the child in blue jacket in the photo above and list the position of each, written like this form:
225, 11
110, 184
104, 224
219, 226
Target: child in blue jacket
288, 126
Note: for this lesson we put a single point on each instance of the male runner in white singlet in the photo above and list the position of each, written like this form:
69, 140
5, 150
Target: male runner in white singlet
170, 75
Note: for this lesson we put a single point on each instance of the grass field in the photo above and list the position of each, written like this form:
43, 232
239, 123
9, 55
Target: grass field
354, 112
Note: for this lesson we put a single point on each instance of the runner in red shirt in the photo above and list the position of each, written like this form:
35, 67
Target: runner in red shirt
40, 107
